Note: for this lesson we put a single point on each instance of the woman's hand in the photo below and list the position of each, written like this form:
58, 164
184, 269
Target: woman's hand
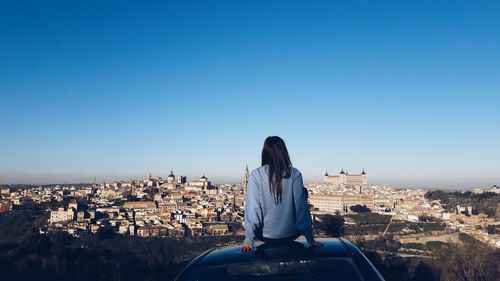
315, 244
246, 247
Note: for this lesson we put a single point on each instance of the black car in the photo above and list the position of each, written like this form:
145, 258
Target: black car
338, 260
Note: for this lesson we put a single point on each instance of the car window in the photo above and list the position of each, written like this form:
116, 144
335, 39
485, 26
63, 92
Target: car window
334, 269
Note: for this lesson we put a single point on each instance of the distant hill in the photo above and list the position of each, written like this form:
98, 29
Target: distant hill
16, 225
487, 203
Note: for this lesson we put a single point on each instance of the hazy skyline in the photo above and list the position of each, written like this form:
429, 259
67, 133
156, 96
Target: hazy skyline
410, 90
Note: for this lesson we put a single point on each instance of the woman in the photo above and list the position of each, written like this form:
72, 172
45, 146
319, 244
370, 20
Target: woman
276, 207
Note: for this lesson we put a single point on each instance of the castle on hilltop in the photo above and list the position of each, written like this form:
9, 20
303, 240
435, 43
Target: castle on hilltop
346, 179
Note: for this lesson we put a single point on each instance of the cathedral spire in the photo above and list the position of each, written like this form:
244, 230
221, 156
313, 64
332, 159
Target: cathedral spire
245, 180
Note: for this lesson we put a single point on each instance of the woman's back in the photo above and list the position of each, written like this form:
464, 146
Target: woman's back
276, 200
278, 219
268, 218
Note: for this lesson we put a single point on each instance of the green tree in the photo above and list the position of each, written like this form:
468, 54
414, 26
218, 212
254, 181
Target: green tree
360, 209
332, 225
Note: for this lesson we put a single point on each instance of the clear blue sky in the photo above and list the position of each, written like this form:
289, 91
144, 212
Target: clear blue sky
408, 90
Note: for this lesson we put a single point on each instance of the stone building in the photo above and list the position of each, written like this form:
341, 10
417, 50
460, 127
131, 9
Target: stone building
62, 215
339, 202
346, 179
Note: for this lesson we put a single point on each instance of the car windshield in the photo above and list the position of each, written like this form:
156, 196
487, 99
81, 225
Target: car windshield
334, 269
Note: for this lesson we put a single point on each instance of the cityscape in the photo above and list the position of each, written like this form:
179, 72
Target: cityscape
139, 140
175, 207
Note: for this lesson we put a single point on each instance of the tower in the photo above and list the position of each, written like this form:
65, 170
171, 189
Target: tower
171, 177
326, 176
364, 177
342, 177
245, 180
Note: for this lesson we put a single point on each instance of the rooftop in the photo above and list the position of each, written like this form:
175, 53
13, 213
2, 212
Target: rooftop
332, 247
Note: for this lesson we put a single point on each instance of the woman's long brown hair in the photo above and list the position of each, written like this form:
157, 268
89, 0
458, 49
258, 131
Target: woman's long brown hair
275, 154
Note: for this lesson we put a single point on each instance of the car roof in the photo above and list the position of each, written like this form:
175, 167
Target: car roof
334, 247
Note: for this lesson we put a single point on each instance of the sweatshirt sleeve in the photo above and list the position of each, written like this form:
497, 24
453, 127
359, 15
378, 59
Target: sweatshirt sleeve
253, 210
303, 216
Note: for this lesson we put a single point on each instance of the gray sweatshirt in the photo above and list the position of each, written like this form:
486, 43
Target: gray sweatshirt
285, 219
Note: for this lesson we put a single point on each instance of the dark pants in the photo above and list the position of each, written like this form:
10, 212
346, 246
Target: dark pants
278, 240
